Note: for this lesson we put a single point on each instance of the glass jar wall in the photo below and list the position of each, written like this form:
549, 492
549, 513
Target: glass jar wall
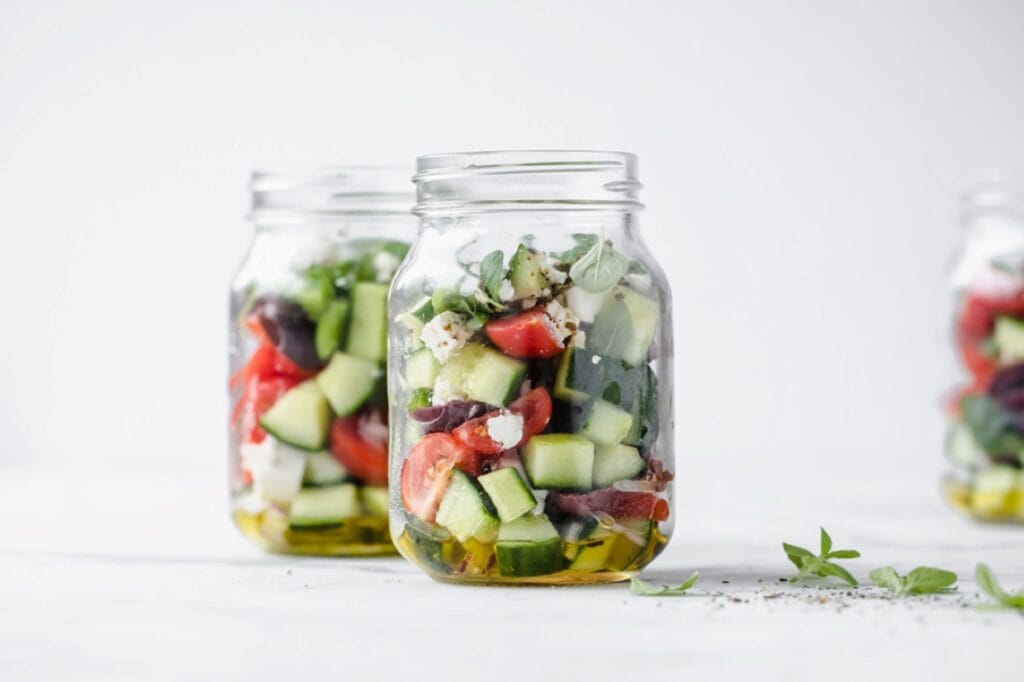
985, 441
308, 422
530, 373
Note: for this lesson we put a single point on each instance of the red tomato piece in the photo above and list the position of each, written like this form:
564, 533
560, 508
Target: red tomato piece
535, 409
618, 504
526, 335
428, 468
363, 454
265, 363
981, 367
258, 397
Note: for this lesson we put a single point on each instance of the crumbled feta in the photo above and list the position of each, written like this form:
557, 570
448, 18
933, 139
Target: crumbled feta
506, 429
444, 392
275, 467
641, 281
560, 321
506, 293
580, 339
547, 267
529, 302
385, 264
445, 334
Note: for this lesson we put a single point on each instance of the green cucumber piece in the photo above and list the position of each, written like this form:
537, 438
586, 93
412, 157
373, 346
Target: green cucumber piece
367, 335
616, 462
525, 274
465, 510
315, 293
993, 426
375, 500
414, 320
421, 368
640, 397
1009, 339
348, 381
324, 507
330, 328
508, 493
482, 373
569, 378
322, 468
528, 546
300, 417
559, 461
605, 423
625, 326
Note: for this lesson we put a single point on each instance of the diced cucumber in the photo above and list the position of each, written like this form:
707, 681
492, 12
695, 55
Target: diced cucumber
482, 373
419, 397
585, 304
465, 510
962, 448
559, 461
615, 462
525, 274
530, 545
322, 468
331, 327
605, 423
508, 492
625, 326
375, 500
567, 377
322, 507
367, 335
414, 320
300, 417
640, 396
594, 551
421, 368
315, 293
994, 490
348, 381
1009, 339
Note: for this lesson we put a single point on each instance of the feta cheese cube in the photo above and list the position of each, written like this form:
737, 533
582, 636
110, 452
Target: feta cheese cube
444, 392
506, 429
560, 321
445, 334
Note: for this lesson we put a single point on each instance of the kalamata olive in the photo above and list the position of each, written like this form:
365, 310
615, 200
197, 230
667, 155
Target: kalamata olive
1007, 379
289, 329
446, 417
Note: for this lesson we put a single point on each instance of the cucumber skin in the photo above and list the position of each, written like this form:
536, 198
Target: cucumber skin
320, 411
367, 334
540, 458
330, 328
524, 559
511, 498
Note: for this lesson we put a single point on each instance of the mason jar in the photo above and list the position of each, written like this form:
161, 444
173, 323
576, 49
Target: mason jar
985, 439
308, 342
530, 373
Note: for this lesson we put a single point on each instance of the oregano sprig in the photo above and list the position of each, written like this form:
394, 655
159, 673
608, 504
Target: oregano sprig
649, 590
822, 564
921, 580
990, 586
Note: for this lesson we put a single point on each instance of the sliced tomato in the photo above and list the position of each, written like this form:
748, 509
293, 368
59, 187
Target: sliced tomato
427, 469
265, 363
258, 397
360, 451
981, 367
618, 504
526, 335
535, 409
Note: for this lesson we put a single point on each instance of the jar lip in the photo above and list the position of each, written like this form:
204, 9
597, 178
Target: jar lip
527, 180
317, 192
994, 190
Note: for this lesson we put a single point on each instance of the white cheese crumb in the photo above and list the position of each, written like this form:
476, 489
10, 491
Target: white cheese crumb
385, 264
560, 321
506, 429
444, 392
641, 281
445, 334
506, 293
275, 467
551, 273
580, 339
585, 304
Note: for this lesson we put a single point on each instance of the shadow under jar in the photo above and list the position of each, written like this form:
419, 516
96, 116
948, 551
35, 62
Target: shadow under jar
530, 373
985, 441
308, 344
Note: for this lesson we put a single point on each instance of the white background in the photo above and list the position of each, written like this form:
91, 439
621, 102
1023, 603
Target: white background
802, 162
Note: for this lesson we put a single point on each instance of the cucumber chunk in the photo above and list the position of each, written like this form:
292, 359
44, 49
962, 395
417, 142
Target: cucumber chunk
482, 373
347, 382
322, 468
530, 545
625, 326
616, 462
367, 336
508, 492
525, 274
330, 328
421, 368
1009, 339
375, 500
559, 461
315, 293
324, 507
300, 417
465, 510
605, 423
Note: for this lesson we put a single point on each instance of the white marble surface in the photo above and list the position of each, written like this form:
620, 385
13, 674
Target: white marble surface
142, 577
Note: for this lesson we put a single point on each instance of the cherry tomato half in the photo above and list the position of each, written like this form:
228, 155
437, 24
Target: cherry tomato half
526, 335
428, 468
365, 457
535, 409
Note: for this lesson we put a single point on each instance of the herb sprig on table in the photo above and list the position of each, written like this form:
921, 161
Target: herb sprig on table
921, 580
990, 586
649, 590
822, 564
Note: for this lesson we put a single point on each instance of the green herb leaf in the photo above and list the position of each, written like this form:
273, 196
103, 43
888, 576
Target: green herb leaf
820, 565
887, 578
928, 580
584, 242
826, 542
600, 268
611, 331
990, 586
491, 273
795, 554
844, 554
649, 590
834, 569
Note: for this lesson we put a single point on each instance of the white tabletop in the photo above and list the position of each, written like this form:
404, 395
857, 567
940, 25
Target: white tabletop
141, 576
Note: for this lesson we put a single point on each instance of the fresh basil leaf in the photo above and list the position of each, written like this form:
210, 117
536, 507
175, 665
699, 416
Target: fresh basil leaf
491, 272
887, 578
926, 580
826, 542
600, 268
584, 242
647, 589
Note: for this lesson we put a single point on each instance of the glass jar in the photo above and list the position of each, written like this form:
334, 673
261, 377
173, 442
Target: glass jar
308, 344
530, 373
985, 440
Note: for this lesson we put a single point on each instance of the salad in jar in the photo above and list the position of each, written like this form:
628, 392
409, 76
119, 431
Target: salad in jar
526, 407
309, 419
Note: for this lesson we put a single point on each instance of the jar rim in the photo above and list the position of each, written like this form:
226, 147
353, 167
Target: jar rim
287, 195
